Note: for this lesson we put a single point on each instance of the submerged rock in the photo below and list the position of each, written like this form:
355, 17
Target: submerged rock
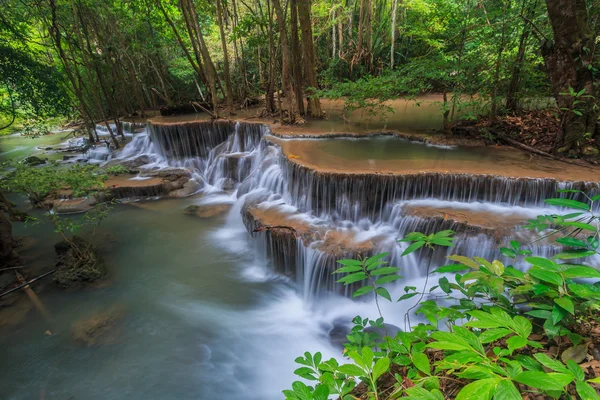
99, 329
73, 206
76, 263
33, 160
207, 210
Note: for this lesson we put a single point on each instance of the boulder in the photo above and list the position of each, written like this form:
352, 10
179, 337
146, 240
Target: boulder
132, 164
33, 160
99, 329
77, 263
73, 206
227, 184
207, 210
190, 187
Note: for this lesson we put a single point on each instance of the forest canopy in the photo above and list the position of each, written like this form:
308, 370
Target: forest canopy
109, 59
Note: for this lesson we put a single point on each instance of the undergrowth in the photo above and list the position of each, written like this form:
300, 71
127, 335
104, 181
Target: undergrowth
528, 328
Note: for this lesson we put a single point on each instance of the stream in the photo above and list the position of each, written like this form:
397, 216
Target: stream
206, 311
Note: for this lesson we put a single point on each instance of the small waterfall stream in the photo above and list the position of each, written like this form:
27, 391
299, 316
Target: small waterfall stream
241, 159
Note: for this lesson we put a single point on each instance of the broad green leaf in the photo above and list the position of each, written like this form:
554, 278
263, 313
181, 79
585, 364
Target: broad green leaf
418, 393
568, 255
482, 389
413, 247
571, 242
477, 372
522, 326
302, 391
421, 361
350, 262
355, 277
558, 314
545, 381
579, 225
381, 367
568, 203
581, 272
586, 392
576, 370
451, 268
351, 370
491, 335
362, 291
465, 261
448, 346
550, 363
541, 262
387, 279
321, 392
566, 304
376, 258
348, 268
385, 271
506, 390
546, 276
383, 293
516, 342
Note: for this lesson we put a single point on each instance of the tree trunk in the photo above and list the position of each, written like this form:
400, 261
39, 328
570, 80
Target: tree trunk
494, 111
568, 58
226, 72
393, 33
515, 78
296, 57
286, 59
309, 56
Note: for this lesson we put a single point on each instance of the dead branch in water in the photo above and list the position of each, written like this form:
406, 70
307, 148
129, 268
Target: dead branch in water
271, 227
196, 104
522, 146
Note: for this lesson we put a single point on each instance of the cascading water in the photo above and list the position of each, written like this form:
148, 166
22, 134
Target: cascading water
242, 159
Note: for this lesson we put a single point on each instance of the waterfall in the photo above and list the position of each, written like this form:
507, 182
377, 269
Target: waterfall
342, 215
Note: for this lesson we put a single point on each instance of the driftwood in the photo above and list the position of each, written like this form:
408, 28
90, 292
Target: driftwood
271, 227
522, 146
206, 110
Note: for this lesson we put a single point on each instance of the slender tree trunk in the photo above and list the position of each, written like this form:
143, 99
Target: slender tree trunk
308, 49
296, 57
286, 67
494, 111
567, 59
270, 87
226, 72
393, 33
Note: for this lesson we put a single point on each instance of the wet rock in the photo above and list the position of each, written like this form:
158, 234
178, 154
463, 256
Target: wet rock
133, 164
99, 329
227, 184
207, 210
190, 187
73, 206
33, 160
65, 158
77, 263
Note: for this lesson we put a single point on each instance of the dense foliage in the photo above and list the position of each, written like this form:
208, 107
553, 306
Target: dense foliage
494, 331
122, 57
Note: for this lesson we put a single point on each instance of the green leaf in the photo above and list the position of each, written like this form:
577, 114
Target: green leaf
541, 262
516, 342
448, 346
566, 304
413, 247
541, 380
558, 314
571, 242
568, 203
567, 255
506, 252
581, 272
482, 389
350, 262
491, 335
362, 291
585, 391
418, 393
349, 268
550, 363
465, 261
576, 370
522, 326
383, 293
421, 361
579, 225
371, 261
385, 271
381, 367
445, 285
477, 372
546, 276
321, 392
506, 390
351, 370
302, 391
543, 314
451, 268
352, 278
387, 279
407, 296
